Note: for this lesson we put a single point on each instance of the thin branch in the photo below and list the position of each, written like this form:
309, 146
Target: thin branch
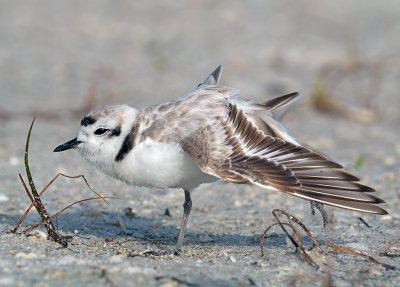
297, 241
62, 210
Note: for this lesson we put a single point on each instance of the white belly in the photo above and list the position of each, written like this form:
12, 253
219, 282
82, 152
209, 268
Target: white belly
160, 165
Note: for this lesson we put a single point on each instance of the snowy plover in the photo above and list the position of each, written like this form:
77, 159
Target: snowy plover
212, 134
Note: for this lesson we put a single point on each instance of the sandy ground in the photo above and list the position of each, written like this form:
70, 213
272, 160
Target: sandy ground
60, 58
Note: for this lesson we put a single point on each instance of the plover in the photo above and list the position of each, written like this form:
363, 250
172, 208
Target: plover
212, 134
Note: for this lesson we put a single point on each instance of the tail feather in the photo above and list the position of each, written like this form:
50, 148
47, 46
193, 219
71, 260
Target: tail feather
213, 78
280, 102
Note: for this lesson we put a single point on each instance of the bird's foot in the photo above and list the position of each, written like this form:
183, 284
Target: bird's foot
178, 252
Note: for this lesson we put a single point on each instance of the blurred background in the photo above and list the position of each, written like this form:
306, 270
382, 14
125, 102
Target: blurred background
57, 56
60, 59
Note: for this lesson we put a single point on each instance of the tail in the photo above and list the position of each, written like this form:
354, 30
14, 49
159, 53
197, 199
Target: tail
280, 102
213, 78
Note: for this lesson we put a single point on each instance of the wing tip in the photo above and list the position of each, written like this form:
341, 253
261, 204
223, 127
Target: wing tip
354, 205
281, 101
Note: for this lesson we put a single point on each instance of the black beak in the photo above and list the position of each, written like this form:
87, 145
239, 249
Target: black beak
68, 145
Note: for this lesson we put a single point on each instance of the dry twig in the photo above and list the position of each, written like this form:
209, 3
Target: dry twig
297, 241
36, 202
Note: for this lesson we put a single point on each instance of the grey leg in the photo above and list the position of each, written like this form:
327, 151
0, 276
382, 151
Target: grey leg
187, 207
321, 209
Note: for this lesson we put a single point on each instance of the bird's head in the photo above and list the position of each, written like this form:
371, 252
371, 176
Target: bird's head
102, 133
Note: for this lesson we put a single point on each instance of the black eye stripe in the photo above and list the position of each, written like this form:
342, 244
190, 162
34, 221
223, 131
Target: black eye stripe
100, 131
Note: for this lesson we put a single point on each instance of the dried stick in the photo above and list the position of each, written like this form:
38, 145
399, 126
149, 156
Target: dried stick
62, 210
44, 189
297, 241
36, 200
51, 230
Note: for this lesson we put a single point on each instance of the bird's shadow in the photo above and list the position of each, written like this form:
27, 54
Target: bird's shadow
160, 230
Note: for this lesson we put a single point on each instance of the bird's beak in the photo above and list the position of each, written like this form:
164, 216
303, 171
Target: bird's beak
68, 145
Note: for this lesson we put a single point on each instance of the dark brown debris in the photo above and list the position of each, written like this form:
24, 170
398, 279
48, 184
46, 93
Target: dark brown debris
297, 240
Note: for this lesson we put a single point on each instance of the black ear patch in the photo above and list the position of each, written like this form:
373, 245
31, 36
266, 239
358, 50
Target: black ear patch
87, 121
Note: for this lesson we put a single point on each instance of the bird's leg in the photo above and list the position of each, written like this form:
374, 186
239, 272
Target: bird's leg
312, 203
187, 207
321, 209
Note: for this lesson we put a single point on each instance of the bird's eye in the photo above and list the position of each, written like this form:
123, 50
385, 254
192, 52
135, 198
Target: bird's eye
100, 131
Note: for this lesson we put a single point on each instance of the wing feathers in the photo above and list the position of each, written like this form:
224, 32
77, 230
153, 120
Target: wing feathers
313, 164
269, 161
342, 194
248, 145
327, 174
335, 185
343, 203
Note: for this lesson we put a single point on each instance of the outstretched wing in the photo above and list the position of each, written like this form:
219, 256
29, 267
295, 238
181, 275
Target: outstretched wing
260, 151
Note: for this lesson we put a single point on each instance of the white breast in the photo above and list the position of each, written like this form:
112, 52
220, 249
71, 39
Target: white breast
161, 165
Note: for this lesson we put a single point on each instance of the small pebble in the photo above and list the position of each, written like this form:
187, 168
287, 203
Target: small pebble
390, 177
387, 217
375, 272
237, 203
14, 160
393, 252
115, 259
170, 284
233, 259
56, 275
393, 249
3, 198
40, 234
26, 255
389, 161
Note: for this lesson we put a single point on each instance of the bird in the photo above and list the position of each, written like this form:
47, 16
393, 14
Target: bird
212, 134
